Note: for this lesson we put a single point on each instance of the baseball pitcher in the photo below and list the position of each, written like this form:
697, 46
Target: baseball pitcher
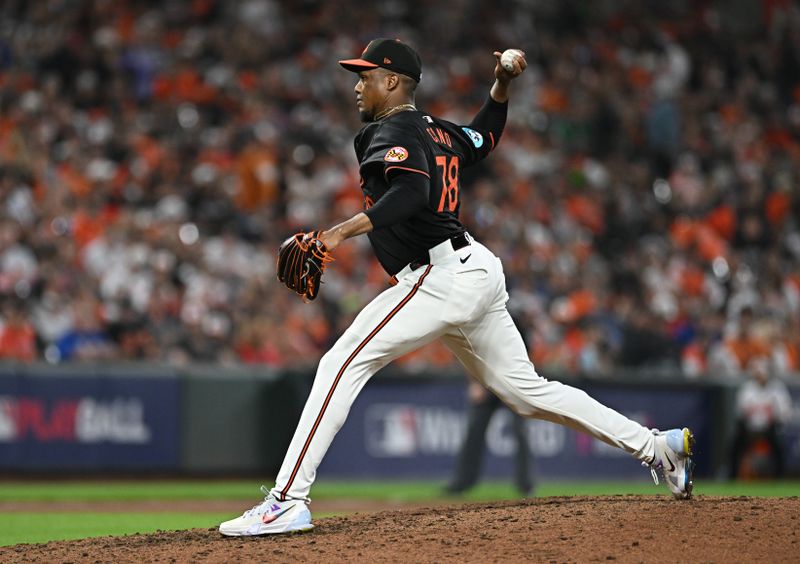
447, 286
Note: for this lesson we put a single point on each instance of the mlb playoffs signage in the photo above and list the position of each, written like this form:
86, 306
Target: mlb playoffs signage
118, 420
88, 422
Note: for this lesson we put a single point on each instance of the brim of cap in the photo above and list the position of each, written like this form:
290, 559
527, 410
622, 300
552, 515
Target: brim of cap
357, 65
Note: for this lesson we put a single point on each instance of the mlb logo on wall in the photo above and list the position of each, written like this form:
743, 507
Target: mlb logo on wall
396, 155
405, 430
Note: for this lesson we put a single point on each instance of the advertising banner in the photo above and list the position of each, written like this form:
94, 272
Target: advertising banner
415, 429
73, 422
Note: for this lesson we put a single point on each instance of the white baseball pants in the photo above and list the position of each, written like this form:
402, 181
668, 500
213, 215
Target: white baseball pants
460, 297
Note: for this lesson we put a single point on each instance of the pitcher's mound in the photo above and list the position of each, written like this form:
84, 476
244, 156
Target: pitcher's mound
559, 529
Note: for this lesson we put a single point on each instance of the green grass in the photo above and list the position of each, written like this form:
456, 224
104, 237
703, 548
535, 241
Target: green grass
412, 491
124, 490
29, 527
18, 528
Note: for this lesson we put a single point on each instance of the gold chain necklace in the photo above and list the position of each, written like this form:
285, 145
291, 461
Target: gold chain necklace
393, 110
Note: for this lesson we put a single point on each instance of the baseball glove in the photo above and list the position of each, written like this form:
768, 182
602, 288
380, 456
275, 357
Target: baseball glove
302, 259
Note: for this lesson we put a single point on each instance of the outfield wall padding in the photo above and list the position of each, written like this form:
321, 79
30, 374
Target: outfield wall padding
211, 420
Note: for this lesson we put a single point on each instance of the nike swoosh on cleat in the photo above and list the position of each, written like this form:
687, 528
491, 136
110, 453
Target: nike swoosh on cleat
270, 518
465, 259
671, 465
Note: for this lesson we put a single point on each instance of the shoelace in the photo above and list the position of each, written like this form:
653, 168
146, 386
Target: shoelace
655, 464
653, 472
268, 499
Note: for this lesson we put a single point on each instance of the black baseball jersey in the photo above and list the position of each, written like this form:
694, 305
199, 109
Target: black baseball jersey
418, 143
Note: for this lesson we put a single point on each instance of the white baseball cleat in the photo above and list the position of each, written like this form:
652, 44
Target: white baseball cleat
270, 517
673, 458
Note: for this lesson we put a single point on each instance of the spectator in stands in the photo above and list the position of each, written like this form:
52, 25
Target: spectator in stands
740, 347
86, 340
17, 336
160, 156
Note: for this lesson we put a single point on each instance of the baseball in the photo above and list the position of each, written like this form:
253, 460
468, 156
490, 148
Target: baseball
508, 57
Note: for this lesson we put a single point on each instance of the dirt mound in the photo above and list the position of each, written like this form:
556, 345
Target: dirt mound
562, 529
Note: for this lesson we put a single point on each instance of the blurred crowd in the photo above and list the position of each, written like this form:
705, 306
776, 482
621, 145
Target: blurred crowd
154, 154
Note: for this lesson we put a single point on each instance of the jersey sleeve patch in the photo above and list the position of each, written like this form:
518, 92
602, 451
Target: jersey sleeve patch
396, 155
474, 136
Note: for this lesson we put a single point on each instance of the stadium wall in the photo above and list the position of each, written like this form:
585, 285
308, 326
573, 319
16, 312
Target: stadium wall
223, 420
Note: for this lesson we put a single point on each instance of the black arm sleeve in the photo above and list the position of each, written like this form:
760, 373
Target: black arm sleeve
407, 194
491, 118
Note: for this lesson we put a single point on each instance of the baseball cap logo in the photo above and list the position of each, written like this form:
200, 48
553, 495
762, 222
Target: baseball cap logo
387, 61
364, 52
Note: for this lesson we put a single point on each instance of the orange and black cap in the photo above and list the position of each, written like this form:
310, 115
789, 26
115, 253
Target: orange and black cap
390, 54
